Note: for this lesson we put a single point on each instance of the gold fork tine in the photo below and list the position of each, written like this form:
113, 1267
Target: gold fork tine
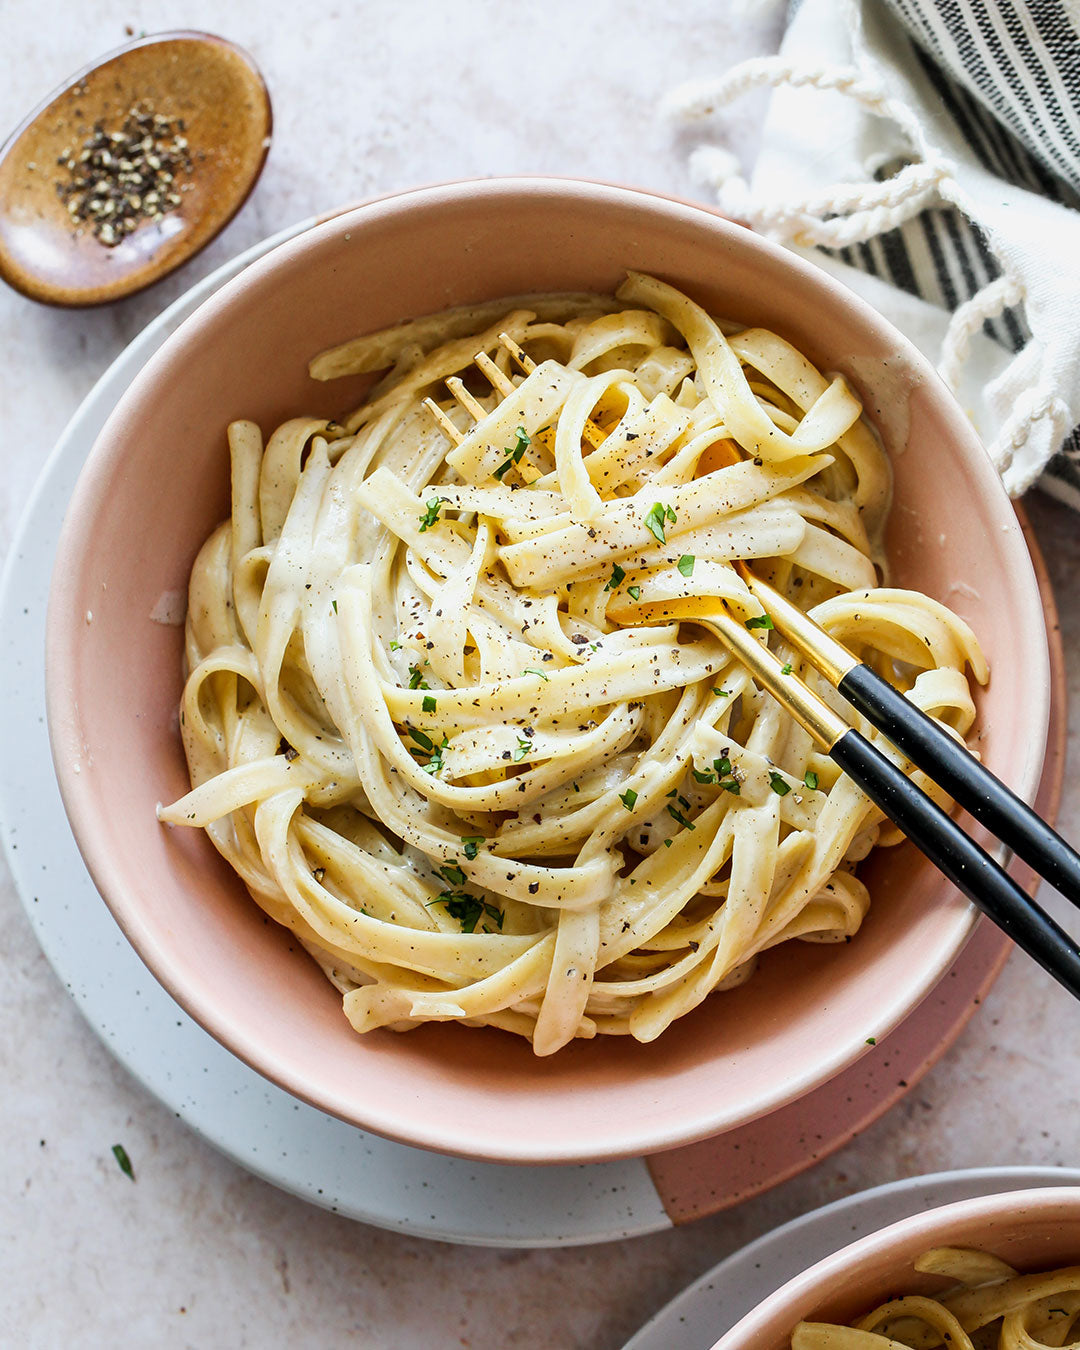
592, 432
475, 410
448, 427
526, 363
502, 386
501, 383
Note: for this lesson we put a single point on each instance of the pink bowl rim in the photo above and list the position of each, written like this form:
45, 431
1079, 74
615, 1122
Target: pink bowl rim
896, 1236
62, 635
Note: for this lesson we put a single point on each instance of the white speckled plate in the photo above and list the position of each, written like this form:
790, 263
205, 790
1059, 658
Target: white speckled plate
710, 1307
290, 1143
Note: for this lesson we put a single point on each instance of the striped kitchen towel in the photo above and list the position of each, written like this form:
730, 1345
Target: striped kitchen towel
929, 155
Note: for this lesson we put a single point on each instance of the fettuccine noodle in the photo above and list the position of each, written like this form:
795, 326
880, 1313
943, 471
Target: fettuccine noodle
989, 1307
449, 715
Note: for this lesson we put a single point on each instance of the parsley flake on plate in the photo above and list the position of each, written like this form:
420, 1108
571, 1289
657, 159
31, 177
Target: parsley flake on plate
123, 1161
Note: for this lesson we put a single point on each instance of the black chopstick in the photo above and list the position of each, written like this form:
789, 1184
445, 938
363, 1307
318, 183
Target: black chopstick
947, 761
966, 864
971, 784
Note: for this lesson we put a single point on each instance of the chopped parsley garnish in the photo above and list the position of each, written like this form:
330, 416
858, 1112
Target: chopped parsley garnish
431, 515
760, 621
778, 784
531, 670
395, 646
429, 702
785, 669
422, 739
435, 763
657, 514
725, 775
704, 775
618, 576
333, 605
416, 678
513, 453
470, 845
871, 1040
810, 779
721, 693
453, 874
628, 798
686, 564
123, 1161
634, 592
679, 818
467, 909
523, 748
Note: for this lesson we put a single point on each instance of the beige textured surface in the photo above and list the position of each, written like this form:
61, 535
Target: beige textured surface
197, 1253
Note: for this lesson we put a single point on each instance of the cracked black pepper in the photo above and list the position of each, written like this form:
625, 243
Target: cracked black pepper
119, 179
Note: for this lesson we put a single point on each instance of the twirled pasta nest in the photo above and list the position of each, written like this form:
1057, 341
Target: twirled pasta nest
450, 715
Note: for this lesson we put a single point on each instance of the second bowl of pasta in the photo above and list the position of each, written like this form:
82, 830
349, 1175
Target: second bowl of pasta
448, 488
1000, 1272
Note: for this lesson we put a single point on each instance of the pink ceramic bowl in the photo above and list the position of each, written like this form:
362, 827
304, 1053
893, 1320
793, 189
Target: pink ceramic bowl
1031, 1230
157, 482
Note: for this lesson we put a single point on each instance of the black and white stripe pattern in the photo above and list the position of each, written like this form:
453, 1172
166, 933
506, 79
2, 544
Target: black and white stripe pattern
1008, 74
1020, 61
941, 257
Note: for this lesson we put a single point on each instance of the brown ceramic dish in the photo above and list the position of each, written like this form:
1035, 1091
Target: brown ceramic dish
1032, 1230
156, 483
218, 92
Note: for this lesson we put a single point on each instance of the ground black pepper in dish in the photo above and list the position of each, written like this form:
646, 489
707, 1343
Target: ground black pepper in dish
119, 179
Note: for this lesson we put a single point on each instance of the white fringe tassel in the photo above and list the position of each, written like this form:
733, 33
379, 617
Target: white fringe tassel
850, 213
